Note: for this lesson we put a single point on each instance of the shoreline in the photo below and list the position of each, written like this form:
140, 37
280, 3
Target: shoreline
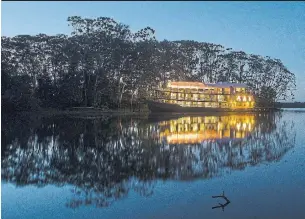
97, 113
86, 113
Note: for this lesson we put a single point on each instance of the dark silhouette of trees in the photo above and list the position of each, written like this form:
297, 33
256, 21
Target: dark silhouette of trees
102, 63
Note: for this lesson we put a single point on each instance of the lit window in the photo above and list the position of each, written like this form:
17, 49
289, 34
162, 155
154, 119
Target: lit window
245, 98
244, 126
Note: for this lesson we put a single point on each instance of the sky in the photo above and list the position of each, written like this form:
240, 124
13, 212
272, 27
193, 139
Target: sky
275, 29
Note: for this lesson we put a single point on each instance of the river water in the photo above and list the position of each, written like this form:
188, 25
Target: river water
156, 167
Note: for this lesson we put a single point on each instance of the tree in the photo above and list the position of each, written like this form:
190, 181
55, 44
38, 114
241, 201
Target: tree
102, 63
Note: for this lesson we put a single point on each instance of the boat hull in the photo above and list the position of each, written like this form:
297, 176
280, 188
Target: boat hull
155, 106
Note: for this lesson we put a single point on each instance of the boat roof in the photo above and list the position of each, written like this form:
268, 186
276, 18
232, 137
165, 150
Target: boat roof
186, 84
201, 85
227, 85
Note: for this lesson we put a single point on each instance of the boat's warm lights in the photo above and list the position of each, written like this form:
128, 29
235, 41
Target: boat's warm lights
238, 126
198, 94
186, 85
244, 126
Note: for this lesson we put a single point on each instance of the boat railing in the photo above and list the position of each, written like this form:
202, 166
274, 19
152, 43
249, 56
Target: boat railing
211, 92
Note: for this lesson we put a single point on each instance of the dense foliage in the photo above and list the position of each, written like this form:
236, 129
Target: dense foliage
104, 64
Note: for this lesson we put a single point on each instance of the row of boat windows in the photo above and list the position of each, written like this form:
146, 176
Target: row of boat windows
208, 104
207, 91
196, 96
203, 97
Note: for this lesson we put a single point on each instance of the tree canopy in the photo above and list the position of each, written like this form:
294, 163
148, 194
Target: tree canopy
103, 63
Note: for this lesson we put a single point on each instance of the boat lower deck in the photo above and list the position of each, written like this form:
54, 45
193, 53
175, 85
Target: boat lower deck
155, 106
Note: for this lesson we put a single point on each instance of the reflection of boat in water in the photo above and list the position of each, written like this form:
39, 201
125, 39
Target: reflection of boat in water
197, 129
159, 117
105, 162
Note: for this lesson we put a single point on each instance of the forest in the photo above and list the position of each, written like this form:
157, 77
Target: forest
104, 64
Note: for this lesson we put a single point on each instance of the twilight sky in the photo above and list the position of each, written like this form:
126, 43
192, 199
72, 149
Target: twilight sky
275, 29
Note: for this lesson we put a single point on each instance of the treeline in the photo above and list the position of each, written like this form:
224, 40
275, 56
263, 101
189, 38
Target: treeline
290, 105
104, 64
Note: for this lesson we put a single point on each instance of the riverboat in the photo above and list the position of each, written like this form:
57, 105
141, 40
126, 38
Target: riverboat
184, 96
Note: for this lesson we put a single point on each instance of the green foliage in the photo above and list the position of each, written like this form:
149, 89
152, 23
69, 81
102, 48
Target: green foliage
104, 64
17, 95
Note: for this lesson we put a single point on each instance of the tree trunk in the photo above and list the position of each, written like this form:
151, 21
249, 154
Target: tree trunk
85, 85
121, 95
95, 90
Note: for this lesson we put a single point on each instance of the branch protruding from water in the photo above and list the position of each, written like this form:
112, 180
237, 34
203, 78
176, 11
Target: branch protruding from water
221, 205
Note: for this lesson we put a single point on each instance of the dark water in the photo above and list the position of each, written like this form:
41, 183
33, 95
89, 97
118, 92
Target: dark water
143, 168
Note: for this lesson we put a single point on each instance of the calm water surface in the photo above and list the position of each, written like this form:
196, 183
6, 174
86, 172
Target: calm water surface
154, 168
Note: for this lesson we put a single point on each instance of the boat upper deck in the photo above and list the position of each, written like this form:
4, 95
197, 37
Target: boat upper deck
201, 88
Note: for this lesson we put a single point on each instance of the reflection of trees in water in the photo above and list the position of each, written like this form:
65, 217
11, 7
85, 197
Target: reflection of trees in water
106, 196
105, 159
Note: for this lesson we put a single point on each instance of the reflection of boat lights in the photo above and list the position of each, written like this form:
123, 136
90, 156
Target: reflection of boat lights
195, 128
198, 129
172, 128
185, 127
190, 137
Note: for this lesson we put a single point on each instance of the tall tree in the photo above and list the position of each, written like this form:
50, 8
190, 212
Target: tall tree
102, 63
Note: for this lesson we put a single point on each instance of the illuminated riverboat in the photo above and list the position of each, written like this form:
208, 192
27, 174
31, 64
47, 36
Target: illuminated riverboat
200, 97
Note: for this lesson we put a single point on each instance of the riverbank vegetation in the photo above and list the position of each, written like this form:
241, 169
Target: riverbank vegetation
104, 64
